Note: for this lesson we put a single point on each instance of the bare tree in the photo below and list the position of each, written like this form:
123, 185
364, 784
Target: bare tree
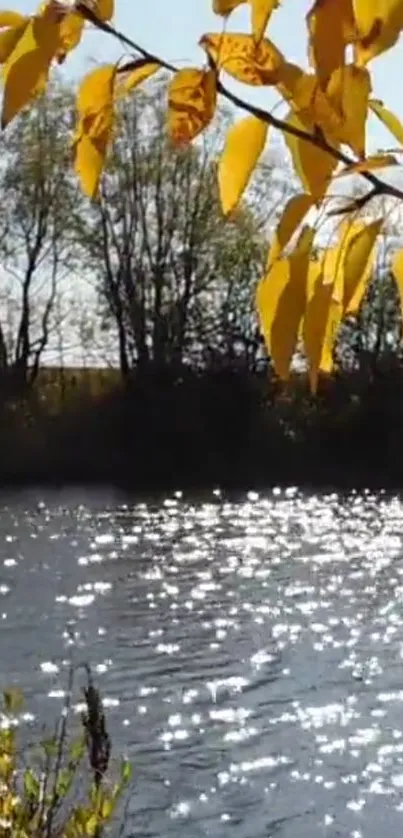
172, 272
36, 248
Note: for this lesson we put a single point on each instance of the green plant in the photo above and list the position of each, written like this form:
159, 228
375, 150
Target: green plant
62, 787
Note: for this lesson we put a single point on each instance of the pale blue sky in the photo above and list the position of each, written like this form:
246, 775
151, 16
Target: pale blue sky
172, 28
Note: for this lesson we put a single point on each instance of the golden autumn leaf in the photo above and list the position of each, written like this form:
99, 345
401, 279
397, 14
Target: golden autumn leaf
134, 74
28, 64
309, 102
11, 19
358, 265
313, 165
319, 324
372, 17
9, 38
346, 269
71, 31
330, 27
292, 216
348, 91
333, 323
281, 301
268, 295
300, 90
333, 258
261, 12
379, 24
397, 271
388, 118
244, 59
244, 144
93, 137
192, 97
367, 16
225, 7
95, 106
89, 159
376, 161
313, 107
105, 9
96, 90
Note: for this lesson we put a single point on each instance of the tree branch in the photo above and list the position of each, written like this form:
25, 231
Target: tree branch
379, 187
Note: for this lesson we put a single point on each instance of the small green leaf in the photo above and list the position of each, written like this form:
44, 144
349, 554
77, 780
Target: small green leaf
64, 781
77, 750
126, 771
107, 808
50, 747
92, 825
31, 785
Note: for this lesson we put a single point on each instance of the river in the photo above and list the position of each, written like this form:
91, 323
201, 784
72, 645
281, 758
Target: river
249, 651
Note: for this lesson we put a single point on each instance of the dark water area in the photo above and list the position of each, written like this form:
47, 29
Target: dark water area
249, 651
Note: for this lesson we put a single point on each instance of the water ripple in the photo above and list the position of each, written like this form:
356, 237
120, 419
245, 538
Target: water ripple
250, 652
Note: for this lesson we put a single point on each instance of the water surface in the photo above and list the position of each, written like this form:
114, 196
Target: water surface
250, 652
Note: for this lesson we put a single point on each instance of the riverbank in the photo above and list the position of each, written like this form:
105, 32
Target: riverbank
192, 431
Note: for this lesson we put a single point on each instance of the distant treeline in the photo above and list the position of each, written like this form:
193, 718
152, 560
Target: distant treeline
183, 429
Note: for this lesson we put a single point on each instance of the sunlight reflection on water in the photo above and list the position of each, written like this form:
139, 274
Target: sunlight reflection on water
250, 653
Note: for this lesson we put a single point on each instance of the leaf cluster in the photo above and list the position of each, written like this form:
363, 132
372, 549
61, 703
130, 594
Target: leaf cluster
41, 789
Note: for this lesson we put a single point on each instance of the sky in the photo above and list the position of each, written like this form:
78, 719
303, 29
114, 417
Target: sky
172, 28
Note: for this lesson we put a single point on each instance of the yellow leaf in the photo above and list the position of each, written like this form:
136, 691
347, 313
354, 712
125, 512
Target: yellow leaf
367, 16
372, 17
90, 153
292, 216
298, 89
105, 9
313, 108
95, 105
241, 57
379, 24
318, 323
96, 90
261, 11
192, 98
358, 264
243, 146
376, 161
348, 91
281, 300
397, 270
29, 62
308, 101
71, 30
136, 73
11, 19
313, 166
333, 323
330, 26
9, 39
333, 259
225, 7
388, 118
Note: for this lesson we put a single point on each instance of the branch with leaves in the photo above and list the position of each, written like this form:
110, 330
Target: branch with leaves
301, 295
